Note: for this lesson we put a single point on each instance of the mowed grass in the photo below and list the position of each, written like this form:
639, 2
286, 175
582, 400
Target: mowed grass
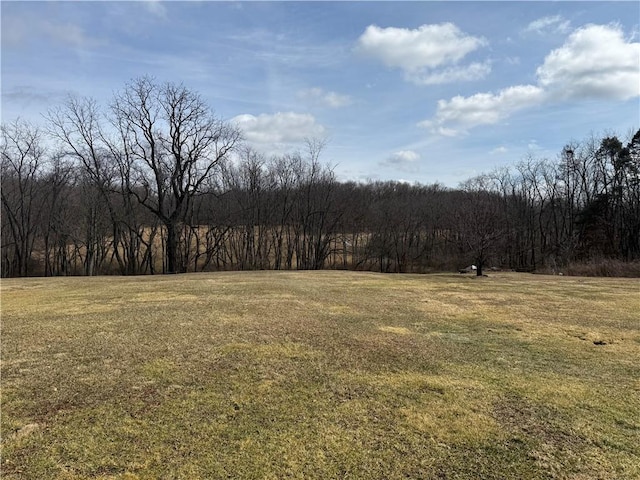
321, 375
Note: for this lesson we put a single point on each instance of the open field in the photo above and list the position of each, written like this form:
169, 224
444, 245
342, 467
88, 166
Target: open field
321, 375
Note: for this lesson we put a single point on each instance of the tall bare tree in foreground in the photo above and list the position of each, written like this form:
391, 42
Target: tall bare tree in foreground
171, 146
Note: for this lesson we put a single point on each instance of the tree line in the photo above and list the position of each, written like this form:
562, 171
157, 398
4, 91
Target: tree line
156, 183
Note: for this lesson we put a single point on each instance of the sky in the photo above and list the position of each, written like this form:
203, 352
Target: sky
410, 91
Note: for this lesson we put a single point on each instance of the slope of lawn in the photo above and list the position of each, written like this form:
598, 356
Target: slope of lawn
320, 375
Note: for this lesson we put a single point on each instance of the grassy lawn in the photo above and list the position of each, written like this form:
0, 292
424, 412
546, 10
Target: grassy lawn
321, 375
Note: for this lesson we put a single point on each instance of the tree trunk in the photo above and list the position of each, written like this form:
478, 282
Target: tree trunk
172, 247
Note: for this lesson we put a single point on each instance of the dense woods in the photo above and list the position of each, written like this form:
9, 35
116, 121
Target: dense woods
155, 183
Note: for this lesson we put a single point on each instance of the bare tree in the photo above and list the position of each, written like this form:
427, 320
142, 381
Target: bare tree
58, 214
282, 172
317, 214
481, 221
172, 144
78, 125
248, 187
23, 158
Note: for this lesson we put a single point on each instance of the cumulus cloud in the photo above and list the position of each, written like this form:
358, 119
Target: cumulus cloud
404, 160
595, 62
270, 132
549, 24
482, 108
423, 51
321, 97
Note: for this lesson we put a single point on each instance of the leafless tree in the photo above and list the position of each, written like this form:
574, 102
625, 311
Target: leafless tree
173, 145
22, 164
481, 223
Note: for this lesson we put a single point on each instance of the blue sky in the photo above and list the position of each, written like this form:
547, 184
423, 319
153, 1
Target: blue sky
413, 91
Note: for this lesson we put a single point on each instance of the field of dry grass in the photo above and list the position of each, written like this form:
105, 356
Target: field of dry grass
320, 375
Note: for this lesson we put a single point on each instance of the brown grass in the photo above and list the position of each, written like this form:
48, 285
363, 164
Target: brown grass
320, 375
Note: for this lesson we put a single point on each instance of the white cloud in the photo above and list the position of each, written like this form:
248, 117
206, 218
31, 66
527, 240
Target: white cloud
533, 145
156, 7
474, 71
404, 160
419, 52
321, 97
277, 131
499, 150
336, 100
443, 131
427, 46
595, 62
549, 24
482, 108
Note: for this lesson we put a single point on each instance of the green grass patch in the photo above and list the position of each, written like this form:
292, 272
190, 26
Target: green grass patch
320, 375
